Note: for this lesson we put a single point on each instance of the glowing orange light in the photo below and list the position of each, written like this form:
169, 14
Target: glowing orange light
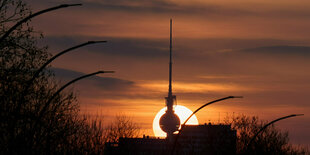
183, 114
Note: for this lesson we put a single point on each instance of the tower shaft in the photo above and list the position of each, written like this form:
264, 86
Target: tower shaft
170, 98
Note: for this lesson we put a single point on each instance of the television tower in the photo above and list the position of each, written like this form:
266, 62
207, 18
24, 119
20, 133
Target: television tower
170, 122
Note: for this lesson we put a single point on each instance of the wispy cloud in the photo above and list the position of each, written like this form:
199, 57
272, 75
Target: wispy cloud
191, 87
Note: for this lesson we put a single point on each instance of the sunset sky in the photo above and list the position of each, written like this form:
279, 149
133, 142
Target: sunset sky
256, 49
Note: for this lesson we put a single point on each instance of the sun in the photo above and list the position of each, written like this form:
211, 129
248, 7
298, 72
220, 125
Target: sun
183, 114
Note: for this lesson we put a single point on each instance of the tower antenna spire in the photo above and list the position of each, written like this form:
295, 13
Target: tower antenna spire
170, 62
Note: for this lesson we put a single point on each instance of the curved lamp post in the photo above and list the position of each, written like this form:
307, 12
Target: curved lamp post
221, 99
66, 85
36, 74
56, 56
34, 15
62, 88
264, 127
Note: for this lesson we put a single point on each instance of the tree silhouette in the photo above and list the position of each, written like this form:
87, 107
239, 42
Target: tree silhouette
270, 141
25, 128
27, 124
122, 126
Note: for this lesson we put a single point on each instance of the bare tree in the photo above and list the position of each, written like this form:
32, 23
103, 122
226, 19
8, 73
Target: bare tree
271, 141
122, 126
93, 134
23, 129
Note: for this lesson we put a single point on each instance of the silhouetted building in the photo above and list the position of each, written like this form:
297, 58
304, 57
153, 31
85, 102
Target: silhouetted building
137, 146
207, 139
194, 139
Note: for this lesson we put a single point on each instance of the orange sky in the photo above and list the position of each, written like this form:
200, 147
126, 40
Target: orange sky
259, 50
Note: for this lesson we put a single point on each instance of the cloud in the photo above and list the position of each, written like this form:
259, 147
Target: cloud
101, 83
228, 60
301, 51
195, 19
153, 6
158, 48
206, 9
126, 47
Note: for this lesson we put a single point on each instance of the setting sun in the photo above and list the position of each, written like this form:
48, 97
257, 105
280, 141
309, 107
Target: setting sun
183, 114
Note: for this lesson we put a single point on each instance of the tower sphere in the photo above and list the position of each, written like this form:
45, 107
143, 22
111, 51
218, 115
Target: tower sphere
169, 122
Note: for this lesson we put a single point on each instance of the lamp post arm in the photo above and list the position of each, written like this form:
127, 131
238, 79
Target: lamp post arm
221, 99
57, 55
270, 123
36, 74
66, 85
34, 15
40, 115
177, 136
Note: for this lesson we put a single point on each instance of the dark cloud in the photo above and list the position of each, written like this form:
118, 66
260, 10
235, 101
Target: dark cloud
174, 8
152, 48
124, 5
280, 50
151, 6
214, 57
102, 83
228, 45
142, 48
203, 9
128, 47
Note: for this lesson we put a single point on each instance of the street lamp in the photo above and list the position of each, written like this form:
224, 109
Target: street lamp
56, 56
47, 104
221, 99
264, 127
66, 85
34, 15
36, 74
